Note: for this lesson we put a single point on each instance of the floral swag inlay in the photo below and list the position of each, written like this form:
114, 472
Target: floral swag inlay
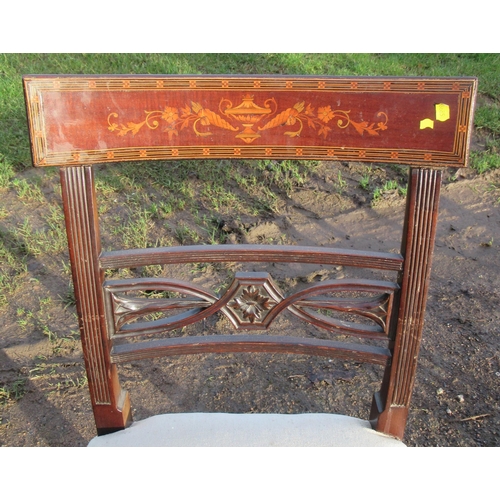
249, 115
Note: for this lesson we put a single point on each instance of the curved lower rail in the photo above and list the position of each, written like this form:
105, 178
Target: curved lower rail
249, 343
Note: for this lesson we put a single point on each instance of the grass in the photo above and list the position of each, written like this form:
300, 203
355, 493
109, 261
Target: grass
389, 186
494, 188
364, 182
487, 160
487, 117
341, 182
12, 392
13, 268
56, 375
50, 239
6, 173
27, 191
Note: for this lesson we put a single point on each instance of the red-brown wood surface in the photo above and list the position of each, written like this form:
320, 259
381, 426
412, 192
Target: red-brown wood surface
417, 248
92, 119
96, 119
251, 302
110, 404
251, 253
250, 343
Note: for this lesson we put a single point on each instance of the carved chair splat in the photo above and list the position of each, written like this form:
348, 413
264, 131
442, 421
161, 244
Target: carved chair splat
78, 121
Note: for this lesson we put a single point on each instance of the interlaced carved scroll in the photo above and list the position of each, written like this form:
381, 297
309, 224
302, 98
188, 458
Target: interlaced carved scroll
251, 302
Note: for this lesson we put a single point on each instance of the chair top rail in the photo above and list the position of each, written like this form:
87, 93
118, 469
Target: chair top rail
88, 119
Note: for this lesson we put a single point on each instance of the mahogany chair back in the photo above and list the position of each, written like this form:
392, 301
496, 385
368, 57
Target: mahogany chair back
78, 121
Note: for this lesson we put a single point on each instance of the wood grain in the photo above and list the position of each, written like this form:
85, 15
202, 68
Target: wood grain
143, 117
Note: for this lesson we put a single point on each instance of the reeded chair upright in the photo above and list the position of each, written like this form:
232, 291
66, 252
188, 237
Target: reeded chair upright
77, 121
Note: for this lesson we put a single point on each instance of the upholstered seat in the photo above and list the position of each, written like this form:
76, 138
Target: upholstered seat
245, 430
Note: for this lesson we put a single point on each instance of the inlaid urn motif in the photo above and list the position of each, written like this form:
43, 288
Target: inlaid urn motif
248, 114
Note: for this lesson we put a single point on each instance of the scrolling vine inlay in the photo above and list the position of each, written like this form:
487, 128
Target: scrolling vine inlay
252, 117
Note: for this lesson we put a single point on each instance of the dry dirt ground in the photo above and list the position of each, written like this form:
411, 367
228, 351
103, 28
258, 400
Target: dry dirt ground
456, 397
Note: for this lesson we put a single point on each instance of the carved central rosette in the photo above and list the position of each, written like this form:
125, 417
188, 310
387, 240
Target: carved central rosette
252, 304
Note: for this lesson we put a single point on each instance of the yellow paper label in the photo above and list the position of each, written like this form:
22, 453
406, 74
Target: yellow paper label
442, 112
427, 123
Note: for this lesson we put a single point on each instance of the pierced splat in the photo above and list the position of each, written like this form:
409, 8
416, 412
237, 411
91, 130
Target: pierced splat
251, 302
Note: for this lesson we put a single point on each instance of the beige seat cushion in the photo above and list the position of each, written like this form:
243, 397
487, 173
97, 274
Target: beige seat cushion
225, 429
